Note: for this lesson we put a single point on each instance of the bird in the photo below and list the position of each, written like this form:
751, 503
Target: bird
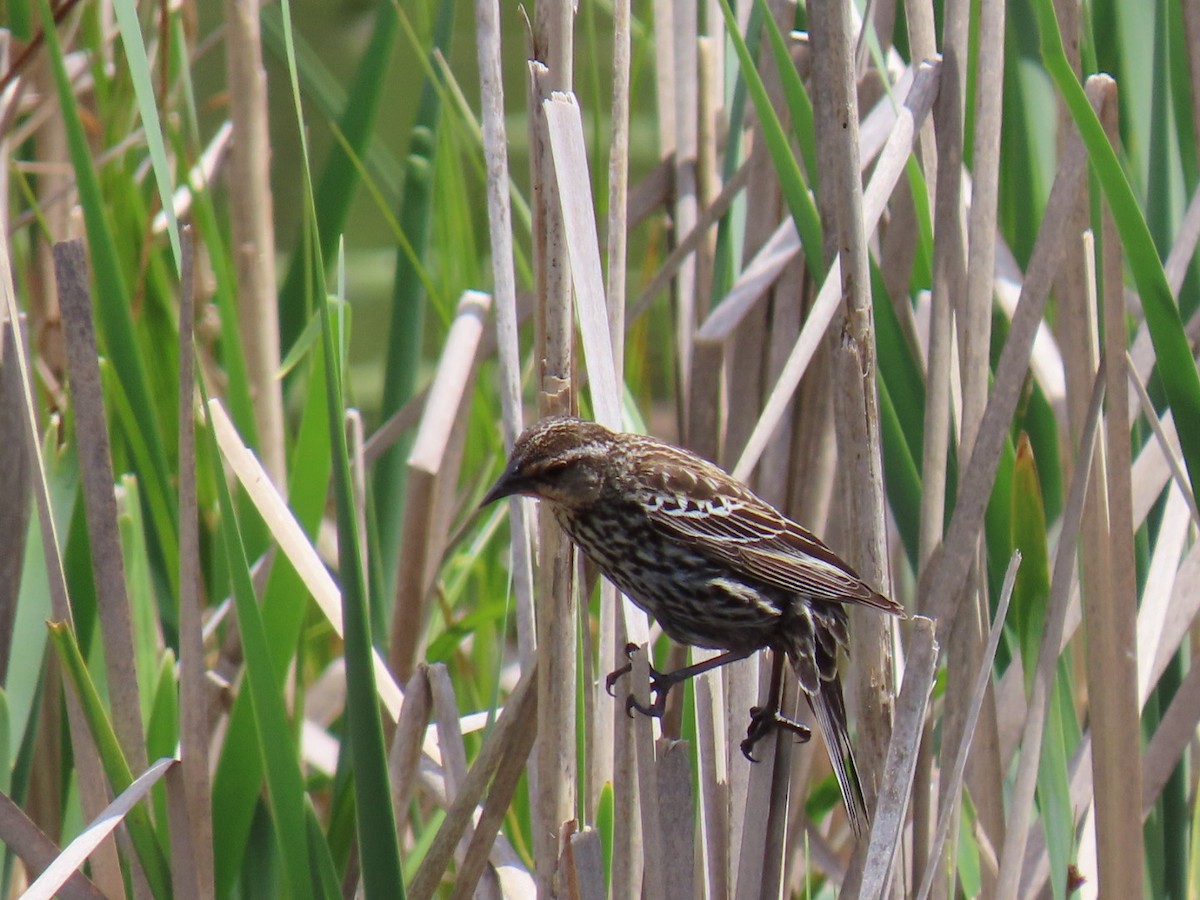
715, 565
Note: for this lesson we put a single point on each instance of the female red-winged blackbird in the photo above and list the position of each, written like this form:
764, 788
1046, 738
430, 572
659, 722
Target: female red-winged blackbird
716, 567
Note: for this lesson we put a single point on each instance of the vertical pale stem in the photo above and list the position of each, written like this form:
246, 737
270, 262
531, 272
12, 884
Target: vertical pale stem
508, 351
557, 611
855, 398
974, 331
1112, 626
252, 222
611, 751
919, 14
686, 73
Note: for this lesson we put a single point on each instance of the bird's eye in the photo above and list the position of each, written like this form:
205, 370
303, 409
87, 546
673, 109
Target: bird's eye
555, 468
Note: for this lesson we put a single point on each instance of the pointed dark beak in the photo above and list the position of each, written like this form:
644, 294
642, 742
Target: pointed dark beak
506, 485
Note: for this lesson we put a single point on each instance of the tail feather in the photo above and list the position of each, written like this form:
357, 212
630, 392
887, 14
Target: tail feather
830, 710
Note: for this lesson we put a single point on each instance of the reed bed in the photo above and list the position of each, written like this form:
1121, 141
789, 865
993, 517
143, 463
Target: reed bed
922, 274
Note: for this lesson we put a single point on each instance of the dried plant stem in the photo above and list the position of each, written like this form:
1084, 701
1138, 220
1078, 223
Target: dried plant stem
195, 731
685, 65
1111, 631
949, 814
105, 867
100, 503
897, 781
508, 351
253, 225
558, 614
507, 737
855, 400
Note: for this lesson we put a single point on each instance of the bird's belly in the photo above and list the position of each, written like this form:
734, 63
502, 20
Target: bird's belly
695, 601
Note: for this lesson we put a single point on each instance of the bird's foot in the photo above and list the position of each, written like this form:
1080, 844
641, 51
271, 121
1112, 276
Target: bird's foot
660, 685
763, 721
612, 677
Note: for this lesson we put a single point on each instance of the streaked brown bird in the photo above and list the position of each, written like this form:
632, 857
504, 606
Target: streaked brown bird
716, 567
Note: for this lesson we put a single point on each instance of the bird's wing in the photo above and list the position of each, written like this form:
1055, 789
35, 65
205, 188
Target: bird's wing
702, 505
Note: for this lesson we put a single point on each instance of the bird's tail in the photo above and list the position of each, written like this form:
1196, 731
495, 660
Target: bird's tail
830, 711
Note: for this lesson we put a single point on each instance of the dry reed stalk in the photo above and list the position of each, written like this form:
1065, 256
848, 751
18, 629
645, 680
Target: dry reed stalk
855, 399
965, 638
56, 199
684, 77
1184, 606
100, 505
758, 854
947, 287
551, 70
454, 761
887, 830
37, 852
947, 814
713, 779
515, 882
252, 223
610, 740
509, 736
95, 833
433, 474
1111, 661
1164, 451
194, 728
652, 887
786, 243
404, 756
508, 351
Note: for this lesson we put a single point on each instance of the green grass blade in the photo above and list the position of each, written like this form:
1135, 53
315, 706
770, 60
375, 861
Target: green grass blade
378, 844
143, 87
798, 101
407, 313
339, 180
791, 180
239, 771
115, 320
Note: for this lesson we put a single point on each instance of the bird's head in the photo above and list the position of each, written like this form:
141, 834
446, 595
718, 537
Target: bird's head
562, 460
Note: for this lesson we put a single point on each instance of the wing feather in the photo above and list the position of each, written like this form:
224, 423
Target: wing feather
695, 501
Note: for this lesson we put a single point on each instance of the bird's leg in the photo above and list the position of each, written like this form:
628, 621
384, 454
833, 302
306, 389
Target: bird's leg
764, 718
662, 682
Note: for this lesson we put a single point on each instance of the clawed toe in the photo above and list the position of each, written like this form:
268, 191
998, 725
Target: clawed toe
762, 721
611, 679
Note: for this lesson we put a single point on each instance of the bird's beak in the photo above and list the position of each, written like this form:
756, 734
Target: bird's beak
506, 485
